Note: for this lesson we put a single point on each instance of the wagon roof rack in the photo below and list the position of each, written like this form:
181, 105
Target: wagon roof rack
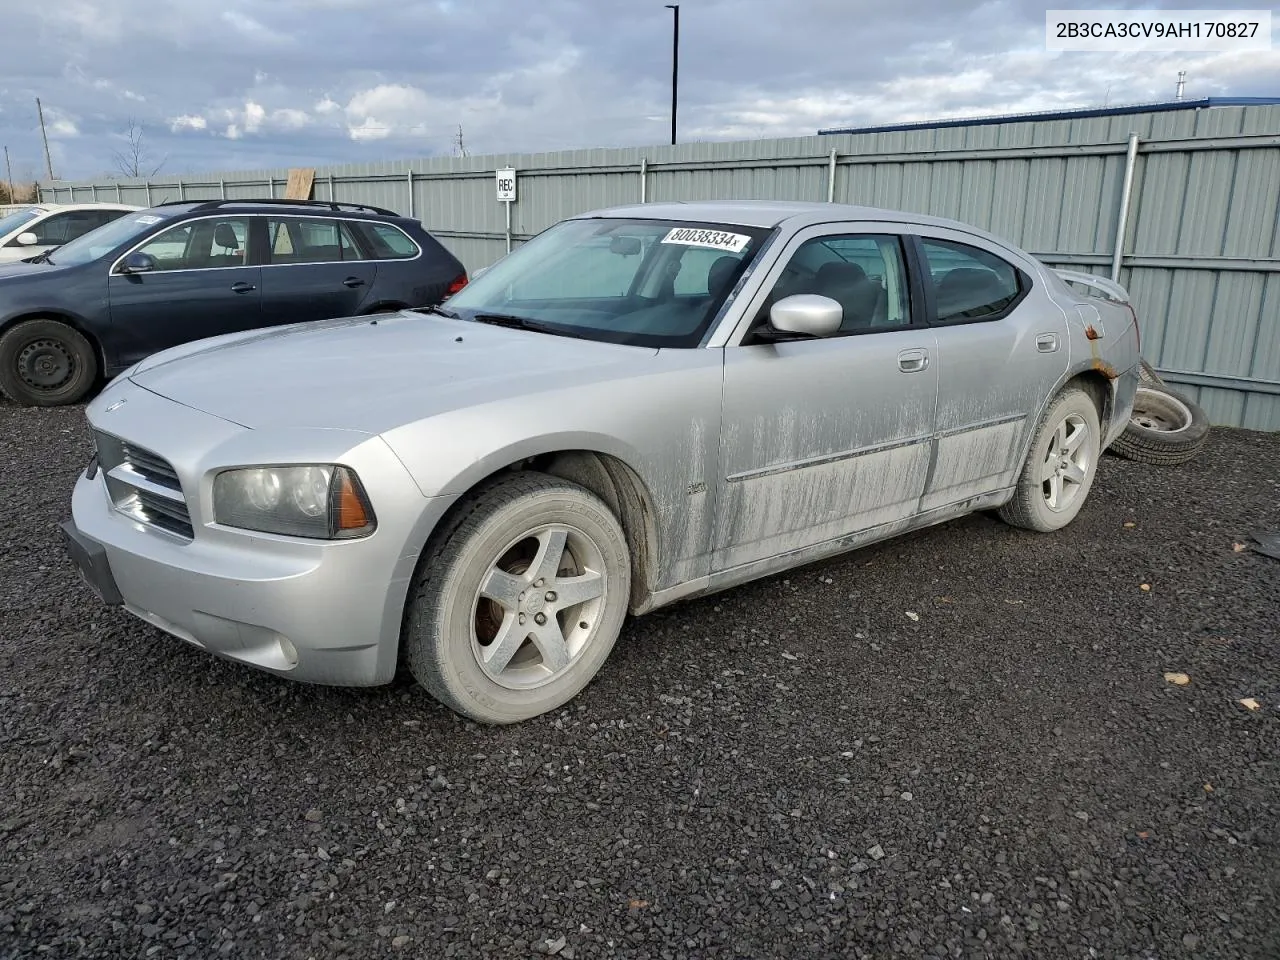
326, 204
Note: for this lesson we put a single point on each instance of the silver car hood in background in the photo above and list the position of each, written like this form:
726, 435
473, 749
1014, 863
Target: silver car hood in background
373, 374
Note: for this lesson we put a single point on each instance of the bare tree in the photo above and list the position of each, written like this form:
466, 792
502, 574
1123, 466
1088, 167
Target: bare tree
135, 160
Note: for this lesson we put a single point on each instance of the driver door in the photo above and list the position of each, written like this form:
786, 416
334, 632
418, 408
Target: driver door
822, 438
205, 283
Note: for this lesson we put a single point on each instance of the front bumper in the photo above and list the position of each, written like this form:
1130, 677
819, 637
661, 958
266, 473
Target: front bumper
326, 612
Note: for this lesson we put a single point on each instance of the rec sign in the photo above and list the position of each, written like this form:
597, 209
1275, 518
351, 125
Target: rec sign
506, 183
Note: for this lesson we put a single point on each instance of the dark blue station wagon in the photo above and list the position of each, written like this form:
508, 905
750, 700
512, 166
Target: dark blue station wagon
184, 271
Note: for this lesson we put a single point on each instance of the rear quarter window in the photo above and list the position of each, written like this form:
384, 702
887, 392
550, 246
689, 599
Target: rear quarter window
386, 241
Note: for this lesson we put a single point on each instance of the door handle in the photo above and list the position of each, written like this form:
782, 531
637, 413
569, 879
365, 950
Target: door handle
241, 287
353, 282
914, 360
1047, 342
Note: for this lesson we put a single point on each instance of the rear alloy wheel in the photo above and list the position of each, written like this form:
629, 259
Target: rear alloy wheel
1060, 466
45, 363
1163, 429
518, 604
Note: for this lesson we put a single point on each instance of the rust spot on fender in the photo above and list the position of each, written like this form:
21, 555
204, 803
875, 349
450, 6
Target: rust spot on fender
1092, 333
1104, 368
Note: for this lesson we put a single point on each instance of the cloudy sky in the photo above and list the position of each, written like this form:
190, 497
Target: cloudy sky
256, 83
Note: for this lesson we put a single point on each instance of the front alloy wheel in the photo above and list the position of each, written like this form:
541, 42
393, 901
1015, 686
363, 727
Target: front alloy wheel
518, 599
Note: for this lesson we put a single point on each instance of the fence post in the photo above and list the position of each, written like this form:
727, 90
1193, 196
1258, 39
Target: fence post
118, 195
93, 192
644, 177
148, 185
831, 178
332, 196
182, 190
1122, 218
410, 180
271, 187
222, 187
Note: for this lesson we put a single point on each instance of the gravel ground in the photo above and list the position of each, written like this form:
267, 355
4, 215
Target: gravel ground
958, 744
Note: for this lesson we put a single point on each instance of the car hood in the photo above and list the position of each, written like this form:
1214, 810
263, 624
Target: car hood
17, 269
372, 374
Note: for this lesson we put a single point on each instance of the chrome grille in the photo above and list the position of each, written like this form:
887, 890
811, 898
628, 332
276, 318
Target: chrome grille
154, 468
143, 485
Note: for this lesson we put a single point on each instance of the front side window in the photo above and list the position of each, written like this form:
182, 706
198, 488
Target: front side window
646, 282
295, 240
102, 241
387, 242
864, 273
969, 283
201, 245
58, 229
14, 221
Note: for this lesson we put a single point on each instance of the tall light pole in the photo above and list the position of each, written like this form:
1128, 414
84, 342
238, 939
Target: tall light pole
48, 161
675, 66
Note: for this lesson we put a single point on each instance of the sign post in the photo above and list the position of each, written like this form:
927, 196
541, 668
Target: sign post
505, 181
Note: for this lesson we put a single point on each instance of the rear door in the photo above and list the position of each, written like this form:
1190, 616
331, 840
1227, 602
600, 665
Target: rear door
203, 286
313, 269
1002, 346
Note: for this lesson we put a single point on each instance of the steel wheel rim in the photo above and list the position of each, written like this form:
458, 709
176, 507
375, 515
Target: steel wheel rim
1161, 412
1064, 471
45, 364
537, 608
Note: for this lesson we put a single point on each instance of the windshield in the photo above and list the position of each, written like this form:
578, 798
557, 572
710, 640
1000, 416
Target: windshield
646, 282
100, 242
14, 220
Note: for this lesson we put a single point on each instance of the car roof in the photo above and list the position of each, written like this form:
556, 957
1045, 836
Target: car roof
62, 207
794, 214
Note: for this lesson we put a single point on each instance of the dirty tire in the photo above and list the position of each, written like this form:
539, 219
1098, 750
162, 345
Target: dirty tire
1070, 412
504, 539
1165, 428
45, 363
1147, 373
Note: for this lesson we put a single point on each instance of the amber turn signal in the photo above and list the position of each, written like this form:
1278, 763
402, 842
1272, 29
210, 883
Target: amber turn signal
351, 511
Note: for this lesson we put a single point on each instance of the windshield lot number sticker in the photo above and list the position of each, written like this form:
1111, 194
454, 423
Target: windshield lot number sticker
148, 219
716, 239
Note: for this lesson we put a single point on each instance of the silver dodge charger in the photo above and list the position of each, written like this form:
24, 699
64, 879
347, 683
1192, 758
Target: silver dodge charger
639, 405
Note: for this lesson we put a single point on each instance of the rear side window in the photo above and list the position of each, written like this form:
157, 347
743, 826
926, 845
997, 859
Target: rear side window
387, 242
969, 283
296, 240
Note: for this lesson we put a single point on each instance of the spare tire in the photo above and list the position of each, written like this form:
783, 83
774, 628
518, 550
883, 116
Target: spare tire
1164, 428
1147, 373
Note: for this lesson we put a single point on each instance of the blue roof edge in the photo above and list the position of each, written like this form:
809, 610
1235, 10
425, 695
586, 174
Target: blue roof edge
1072, 114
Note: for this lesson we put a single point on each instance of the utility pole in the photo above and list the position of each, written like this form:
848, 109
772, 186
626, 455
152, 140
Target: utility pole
457, 142
1182, 82
48, 161
8, 170
675, 66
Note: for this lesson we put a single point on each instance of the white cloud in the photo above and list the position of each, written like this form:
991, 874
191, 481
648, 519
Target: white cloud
187, 122
232, 132
289, 119
388, 109
254, 114
327, 106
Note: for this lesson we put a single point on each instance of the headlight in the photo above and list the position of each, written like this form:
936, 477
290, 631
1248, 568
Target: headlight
320, 501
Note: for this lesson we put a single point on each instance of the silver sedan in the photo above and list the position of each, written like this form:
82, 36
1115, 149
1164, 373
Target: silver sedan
640, 405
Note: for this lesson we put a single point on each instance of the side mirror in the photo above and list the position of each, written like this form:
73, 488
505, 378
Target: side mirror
807, 314
138, 263
625, 246
27, 239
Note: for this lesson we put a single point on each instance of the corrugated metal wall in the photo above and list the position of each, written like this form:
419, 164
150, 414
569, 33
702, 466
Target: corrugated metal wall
1200, 248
